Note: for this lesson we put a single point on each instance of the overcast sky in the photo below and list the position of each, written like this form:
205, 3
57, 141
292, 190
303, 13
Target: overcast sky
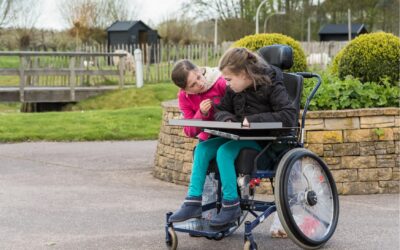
152, 12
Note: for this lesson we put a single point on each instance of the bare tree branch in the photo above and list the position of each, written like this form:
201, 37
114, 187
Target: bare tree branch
5, 11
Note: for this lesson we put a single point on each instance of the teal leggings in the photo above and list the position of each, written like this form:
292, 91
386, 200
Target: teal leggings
225, 151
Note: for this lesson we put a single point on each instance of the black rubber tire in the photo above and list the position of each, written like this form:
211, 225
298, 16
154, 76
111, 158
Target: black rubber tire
282, 205
173, 243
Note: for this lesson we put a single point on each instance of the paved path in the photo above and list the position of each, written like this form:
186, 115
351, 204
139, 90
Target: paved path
101, 195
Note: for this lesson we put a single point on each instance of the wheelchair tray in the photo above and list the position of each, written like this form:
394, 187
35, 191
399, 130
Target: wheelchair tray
201, 227
224, 125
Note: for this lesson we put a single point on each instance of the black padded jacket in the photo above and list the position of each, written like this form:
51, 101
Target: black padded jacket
266, 103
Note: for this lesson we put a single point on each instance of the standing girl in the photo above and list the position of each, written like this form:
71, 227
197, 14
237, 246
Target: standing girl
255, 94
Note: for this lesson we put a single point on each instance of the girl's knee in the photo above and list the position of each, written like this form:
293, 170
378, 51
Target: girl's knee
201, 148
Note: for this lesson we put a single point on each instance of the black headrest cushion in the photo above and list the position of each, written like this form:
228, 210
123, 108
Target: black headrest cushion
278, 55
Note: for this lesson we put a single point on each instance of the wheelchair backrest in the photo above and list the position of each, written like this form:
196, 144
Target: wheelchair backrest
281, 56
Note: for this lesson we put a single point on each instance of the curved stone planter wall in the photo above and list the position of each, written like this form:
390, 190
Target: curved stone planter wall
360, 146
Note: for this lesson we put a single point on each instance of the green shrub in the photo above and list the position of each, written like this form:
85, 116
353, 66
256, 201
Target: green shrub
350, 93
254, 42
334, 68
370, 57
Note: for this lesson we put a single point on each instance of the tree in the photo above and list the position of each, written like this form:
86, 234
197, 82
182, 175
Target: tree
89, 18
5, 13
25, 14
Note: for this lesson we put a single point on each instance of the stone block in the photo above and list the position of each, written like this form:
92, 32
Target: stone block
395, 176
377, 121
342, 123
367, 150
339, 187
188, 156
187, 168
385, 174
359, 135
380, 151
391, 187
358, 162
346, 149
385, 161
324, 136
361, 187
368, 174
316, 148
332, 160
328, 153
397, 121
387, 135
314, 124
334, 166
344, 175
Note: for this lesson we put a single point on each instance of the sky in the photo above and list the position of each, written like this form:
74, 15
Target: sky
152, 12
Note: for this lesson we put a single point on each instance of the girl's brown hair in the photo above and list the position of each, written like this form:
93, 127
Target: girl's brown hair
238, 60
181, 71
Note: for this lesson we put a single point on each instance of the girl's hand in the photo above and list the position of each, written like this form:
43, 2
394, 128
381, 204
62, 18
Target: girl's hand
205, 106
245, 123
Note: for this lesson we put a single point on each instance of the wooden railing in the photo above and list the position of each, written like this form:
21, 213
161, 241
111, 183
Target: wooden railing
65, 70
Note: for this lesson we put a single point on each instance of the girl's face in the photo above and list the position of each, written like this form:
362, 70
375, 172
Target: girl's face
196, 82
237, 82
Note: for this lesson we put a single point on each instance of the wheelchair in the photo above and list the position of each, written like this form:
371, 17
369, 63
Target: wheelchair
306, 198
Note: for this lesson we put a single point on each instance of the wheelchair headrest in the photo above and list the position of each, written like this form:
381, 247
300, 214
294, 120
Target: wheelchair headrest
278, 55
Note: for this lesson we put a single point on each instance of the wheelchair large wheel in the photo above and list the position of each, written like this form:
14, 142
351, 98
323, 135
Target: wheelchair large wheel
306, 198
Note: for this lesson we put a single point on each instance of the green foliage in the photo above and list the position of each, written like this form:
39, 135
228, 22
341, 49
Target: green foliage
379, 132
255, 42
334, 68
350, 93
370, 57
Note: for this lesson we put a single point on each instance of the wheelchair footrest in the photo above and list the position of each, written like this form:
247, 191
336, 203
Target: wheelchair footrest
201, 227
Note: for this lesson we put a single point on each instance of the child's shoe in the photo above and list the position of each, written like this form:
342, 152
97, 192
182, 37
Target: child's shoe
191, 208
229, 212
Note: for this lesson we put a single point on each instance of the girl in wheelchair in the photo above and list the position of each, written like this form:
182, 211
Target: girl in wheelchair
255, 93
199, 87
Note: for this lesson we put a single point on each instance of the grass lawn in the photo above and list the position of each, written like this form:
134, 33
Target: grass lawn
133, 123
149, 95
130, 114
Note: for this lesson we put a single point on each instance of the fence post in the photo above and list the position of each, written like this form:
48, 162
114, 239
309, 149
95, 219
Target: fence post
22, 78
72, 77
139, 68
121, 71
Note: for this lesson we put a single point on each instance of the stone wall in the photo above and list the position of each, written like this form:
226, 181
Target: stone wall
361, 147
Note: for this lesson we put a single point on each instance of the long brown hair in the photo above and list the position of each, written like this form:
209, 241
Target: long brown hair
237, 60
181, 71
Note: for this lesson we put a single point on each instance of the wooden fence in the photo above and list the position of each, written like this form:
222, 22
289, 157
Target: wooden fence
94, 64
46, 72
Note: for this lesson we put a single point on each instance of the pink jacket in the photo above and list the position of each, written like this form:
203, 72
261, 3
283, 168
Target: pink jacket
190, 106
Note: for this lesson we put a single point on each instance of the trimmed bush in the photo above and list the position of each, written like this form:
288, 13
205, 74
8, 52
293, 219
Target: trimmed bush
254, 42
370, 57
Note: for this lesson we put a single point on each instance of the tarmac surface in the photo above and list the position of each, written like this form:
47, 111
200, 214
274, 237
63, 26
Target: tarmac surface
102, 195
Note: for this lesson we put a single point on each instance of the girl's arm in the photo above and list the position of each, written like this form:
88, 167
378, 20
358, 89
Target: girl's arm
284, 111
224, 111
189, 113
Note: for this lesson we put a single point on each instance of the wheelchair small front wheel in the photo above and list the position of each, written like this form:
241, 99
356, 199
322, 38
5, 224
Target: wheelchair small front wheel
172, 241
306, 198
248, 246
